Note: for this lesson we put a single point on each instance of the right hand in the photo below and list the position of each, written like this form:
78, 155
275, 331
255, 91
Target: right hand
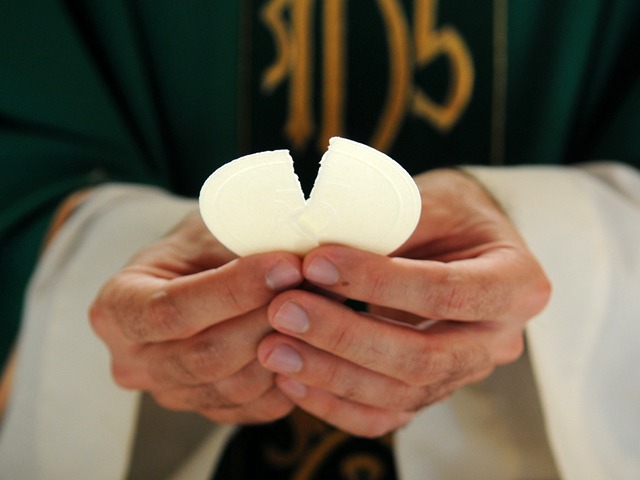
183, 320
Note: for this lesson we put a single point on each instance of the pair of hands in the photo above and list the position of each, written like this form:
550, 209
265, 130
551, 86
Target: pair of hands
244, 340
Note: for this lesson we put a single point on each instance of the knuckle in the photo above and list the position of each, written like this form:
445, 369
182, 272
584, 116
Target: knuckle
208, 397
271, 406
379, 286
511, 350
117, 306
124, 377
236, 302
344, 339
443, 373
346, 386
243, 396
168, 401
422, 367
235, 298
540, 295
104, 311
173, 368
208, 359
545, 288
456, 300
407, 398
98, 318
438, 296
201, 398
163, 318
464, 362
243, 389
453, 299
333, 376
437, 367
434, 393
351, 390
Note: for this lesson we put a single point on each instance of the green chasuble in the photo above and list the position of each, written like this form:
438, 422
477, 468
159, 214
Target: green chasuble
163, 92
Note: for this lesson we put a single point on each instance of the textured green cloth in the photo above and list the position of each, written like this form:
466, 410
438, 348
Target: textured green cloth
163, 92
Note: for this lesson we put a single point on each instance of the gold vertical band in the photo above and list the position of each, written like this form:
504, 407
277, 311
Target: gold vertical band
300, 126
399, 77
334, 71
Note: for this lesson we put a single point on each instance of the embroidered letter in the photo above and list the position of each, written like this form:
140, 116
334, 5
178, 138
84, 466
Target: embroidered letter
399, 74
294, 51
334, 71
429, 44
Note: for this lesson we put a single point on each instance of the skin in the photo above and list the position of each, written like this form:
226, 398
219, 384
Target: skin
246, 340
183, 321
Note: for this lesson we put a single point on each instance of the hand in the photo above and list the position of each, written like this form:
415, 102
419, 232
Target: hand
183, 321
455, 299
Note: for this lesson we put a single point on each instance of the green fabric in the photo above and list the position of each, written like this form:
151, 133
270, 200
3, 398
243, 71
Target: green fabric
94, 92
163, 92
572, 71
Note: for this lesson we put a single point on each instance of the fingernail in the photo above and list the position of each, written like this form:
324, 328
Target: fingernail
291, 318
284, 359
283, 275
322, 271
293, 388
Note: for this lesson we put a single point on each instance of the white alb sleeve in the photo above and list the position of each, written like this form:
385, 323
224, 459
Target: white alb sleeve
583, 224
66, 417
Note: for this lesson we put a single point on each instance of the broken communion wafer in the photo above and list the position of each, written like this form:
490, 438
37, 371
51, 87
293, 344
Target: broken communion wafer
361, 198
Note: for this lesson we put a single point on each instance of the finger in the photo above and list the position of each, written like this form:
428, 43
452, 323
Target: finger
491, 286
244, 387
145, 308
214, 354
447, 351
352, 417
248, 385
272, 406
346, 380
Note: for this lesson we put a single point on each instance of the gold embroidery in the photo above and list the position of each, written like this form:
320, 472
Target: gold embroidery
399, 88
429, 44
363, 466
313, 442
334, 68
314, 460
294, 60
304, 428
277, 72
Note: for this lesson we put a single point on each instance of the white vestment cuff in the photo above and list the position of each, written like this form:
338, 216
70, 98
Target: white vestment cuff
66, 417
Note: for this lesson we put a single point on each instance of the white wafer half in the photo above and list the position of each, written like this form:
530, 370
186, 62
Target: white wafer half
361, 198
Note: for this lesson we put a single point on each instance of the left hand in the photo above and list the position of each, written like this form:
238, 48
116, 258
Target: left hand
456, 298
182, 321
